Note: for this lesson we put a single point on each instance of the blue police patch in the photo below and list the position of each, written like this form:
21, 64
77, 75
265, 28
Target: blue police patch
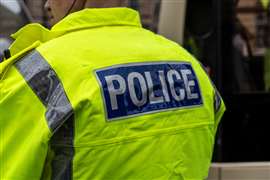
136, 89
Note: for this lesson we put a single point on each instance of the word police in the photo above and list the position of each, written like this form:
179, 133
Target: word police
136, 89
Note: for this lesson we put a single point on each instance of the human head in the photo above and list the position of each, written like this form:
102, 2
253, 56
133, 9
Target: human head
58, 9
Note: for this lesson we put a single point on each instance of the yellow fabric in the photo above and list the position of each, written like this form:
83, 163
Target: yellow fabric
9, 62
175, 144
265, 3
24, 134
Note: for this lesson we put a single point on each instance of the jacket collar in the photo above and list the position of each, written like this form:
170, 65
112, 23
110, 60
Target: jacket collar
85, 19
89, 18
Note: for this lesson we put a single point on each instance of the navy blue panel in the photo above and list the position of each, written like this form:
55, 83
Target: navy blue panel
137, 81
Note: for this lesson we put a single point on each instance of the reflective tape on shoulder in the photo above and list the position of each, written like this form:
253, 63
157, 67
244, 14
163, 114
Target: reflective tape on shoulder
43, 80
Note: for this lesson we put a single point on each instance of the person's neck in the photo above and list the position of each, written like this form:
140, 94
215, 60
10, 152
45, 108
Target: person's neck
104, 3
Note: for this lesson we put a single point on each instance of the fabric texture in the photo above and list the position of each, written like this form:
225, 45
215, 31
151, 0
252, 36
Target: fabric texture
76, 140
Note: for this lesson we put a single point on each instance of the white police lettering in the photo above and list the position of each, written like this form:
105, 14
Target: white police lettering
164, 86
170, 77
135, 89
112, 89
153, 99
188, 84
131, 86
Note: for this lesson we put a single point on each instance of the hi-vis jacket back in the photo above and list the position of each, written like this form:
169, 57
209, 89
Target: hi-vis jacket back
99, 97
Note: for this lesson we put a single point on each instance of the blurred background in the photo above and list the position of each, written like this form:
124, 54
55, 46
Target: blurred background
231, 38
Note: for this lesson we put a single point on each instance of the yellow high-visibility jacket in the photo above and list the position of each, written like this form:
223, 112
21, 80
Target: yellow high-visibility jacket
99, 97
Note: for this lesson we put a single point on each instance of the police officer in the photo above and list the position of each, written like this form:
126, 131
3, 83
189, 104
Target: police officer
99, 97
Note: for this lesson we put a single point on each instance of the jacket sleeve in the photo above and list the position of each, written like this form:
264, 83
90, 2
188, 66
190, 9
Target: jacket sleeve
44, 82
218, 103
24, 130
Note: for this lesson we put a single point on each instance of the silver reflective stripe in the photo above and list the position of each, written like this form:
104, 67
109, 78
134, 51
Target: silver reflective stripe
59, 113
47, 86
217, 101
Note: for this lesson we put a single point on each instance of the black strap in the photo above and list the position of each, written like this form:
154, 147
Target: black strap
7, 53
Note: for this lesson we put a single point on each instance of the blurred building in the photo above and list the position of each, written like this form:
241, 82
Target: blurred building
255, 18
